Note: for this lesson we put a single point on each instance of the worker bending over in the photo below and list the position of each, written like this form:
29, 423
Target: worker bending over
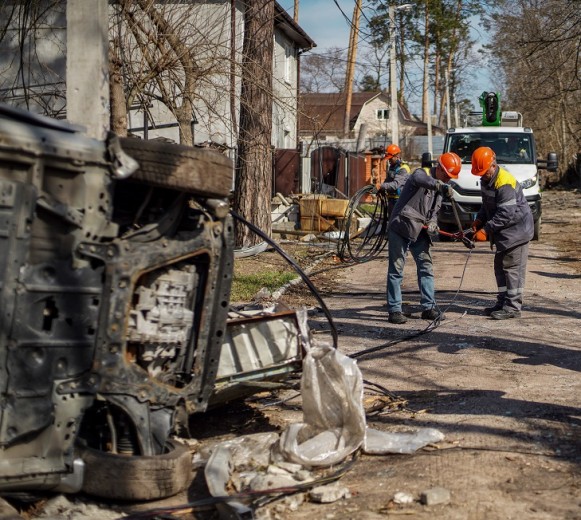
413, 220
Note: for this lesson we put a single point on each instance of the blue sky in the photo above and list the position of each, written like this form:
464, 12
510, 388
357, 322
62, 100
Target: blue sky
323, 21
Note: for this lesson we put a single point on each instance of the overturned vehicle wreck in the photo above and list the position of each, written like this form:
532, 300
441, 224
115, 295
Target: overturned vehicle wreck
116, 275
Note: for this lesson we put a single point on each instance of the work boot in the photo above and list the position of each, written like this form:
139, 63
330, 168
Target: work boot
397, 317
432, 314
489, 310
503, 314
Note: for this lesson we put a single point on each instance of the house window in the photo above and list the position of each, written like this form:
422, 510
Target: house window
382, 114
287, 63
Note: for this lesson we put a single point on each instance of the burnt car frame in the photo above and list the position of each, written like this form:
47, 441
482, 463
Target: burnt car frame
116, 275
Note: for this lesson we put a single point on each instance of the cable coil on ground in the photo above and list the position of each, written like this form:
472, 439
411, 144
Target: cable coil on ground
367, 243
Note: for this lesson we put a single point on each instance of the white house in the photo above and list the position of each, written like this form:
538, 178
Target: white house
216, 27
322, 117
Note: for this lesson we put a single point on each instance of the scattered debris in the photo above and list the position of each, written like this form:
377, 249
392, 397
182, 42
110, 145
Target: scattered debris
61, 508
329, 493
333, 428
402, 497
380, 442
435, 496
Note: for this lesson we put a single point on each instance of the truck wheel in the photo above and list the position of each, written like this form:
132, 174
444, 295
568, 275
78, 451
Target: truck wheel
129, 477
537, 232
166, 165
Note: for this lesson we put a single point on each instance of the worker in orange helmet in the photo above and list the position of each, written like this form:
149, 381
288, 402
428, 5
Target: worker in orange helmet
411, 225
506, 220
396, 174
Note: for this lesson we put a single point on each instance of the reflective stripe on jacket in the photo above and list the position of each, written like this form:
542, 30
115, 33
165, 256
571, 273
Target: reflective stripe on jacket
395, 178
505, 211
417, 205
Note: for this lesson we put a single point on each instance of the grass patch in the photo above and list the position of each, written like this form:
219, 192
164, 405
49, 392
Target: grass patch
245, 286
368, 209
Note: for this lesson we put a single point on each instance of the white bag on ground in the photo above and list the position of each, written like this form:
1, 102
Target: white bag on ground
380, 443
333, 414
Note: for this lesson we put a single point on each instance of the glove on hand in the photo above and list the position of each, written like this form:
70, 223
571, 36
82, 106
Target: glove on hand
476, 225
469, 233
433, 228
444, 189
480, 236
384, 188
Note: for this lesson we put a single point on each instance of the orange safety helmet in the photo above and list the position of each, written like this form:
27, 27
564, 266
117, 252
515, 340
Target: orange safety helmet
482, 160
391, 150
451, 164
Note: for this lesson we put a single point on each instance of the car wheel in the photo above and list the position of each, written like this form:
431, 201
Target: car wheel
129, 477
537, 231
166, 165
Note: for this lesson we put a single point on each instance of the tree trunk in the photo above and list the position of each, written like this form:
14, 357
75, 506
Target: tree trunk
254, 162
426, 78
118, 122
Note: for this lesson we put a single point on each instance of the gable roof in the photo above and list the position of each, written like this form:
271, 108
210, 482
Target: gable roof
293, 30
325, 112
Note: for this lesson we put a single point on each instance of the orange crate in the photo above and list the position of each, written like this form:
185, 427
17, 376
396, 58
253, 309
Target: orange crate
334, 207
317, 223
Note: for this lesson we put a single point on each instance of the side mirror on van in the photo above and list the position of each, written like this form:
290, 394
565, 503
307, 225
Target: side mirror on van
551, 164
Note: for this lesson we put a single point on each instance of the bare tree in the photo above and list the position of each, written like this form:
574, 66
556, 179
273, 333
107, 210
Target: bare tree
324, 71
254, 162
165, 52
536, 49
32, 55
373, 66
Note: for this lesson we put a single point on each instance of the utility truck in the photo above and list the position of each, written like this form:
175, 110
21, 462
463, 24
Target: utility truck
514, 145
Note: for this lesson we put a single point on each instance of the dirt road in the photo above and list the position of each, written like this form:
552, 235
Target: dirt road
507, 394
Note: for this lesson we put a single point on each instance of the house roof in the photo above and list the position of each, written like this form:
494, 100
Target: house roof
325, 112
293, 30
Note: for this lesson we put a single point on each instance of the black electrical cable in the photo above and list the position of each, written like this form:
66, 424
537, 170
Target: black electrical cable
296, 267
369, 243
431, 326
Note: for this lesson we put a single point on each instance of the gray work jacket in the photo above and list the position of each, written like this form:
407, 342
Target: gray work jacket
417, 206
505, 212
395, 178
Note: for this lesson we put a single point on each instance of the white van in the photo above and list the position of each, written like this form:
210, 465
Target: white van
515, 150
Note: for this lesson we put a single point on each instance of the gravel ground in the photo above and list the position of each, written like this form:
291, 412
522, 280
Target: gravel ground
504, 393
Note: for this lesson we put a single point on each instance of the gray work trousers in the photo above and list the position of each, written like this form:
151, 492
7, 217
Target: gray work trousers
510, 269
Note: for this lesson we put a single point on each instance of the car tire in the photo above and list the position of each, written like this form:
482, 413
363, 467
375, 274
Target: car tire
128, 477
537, 231
166, 165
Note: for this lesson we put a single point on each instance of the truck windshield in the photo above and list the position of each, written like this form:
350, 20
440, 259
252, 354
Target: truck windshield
510, 148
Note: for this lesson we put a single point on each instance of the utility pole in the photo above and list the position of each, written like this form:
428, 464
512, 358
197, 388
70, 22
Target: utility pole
429, 122
296, 12
394, 111
448, 122
351, 57
88, 66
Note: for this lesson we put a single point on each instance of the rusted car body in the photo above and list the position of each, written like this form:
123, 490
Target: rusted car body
116, 272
